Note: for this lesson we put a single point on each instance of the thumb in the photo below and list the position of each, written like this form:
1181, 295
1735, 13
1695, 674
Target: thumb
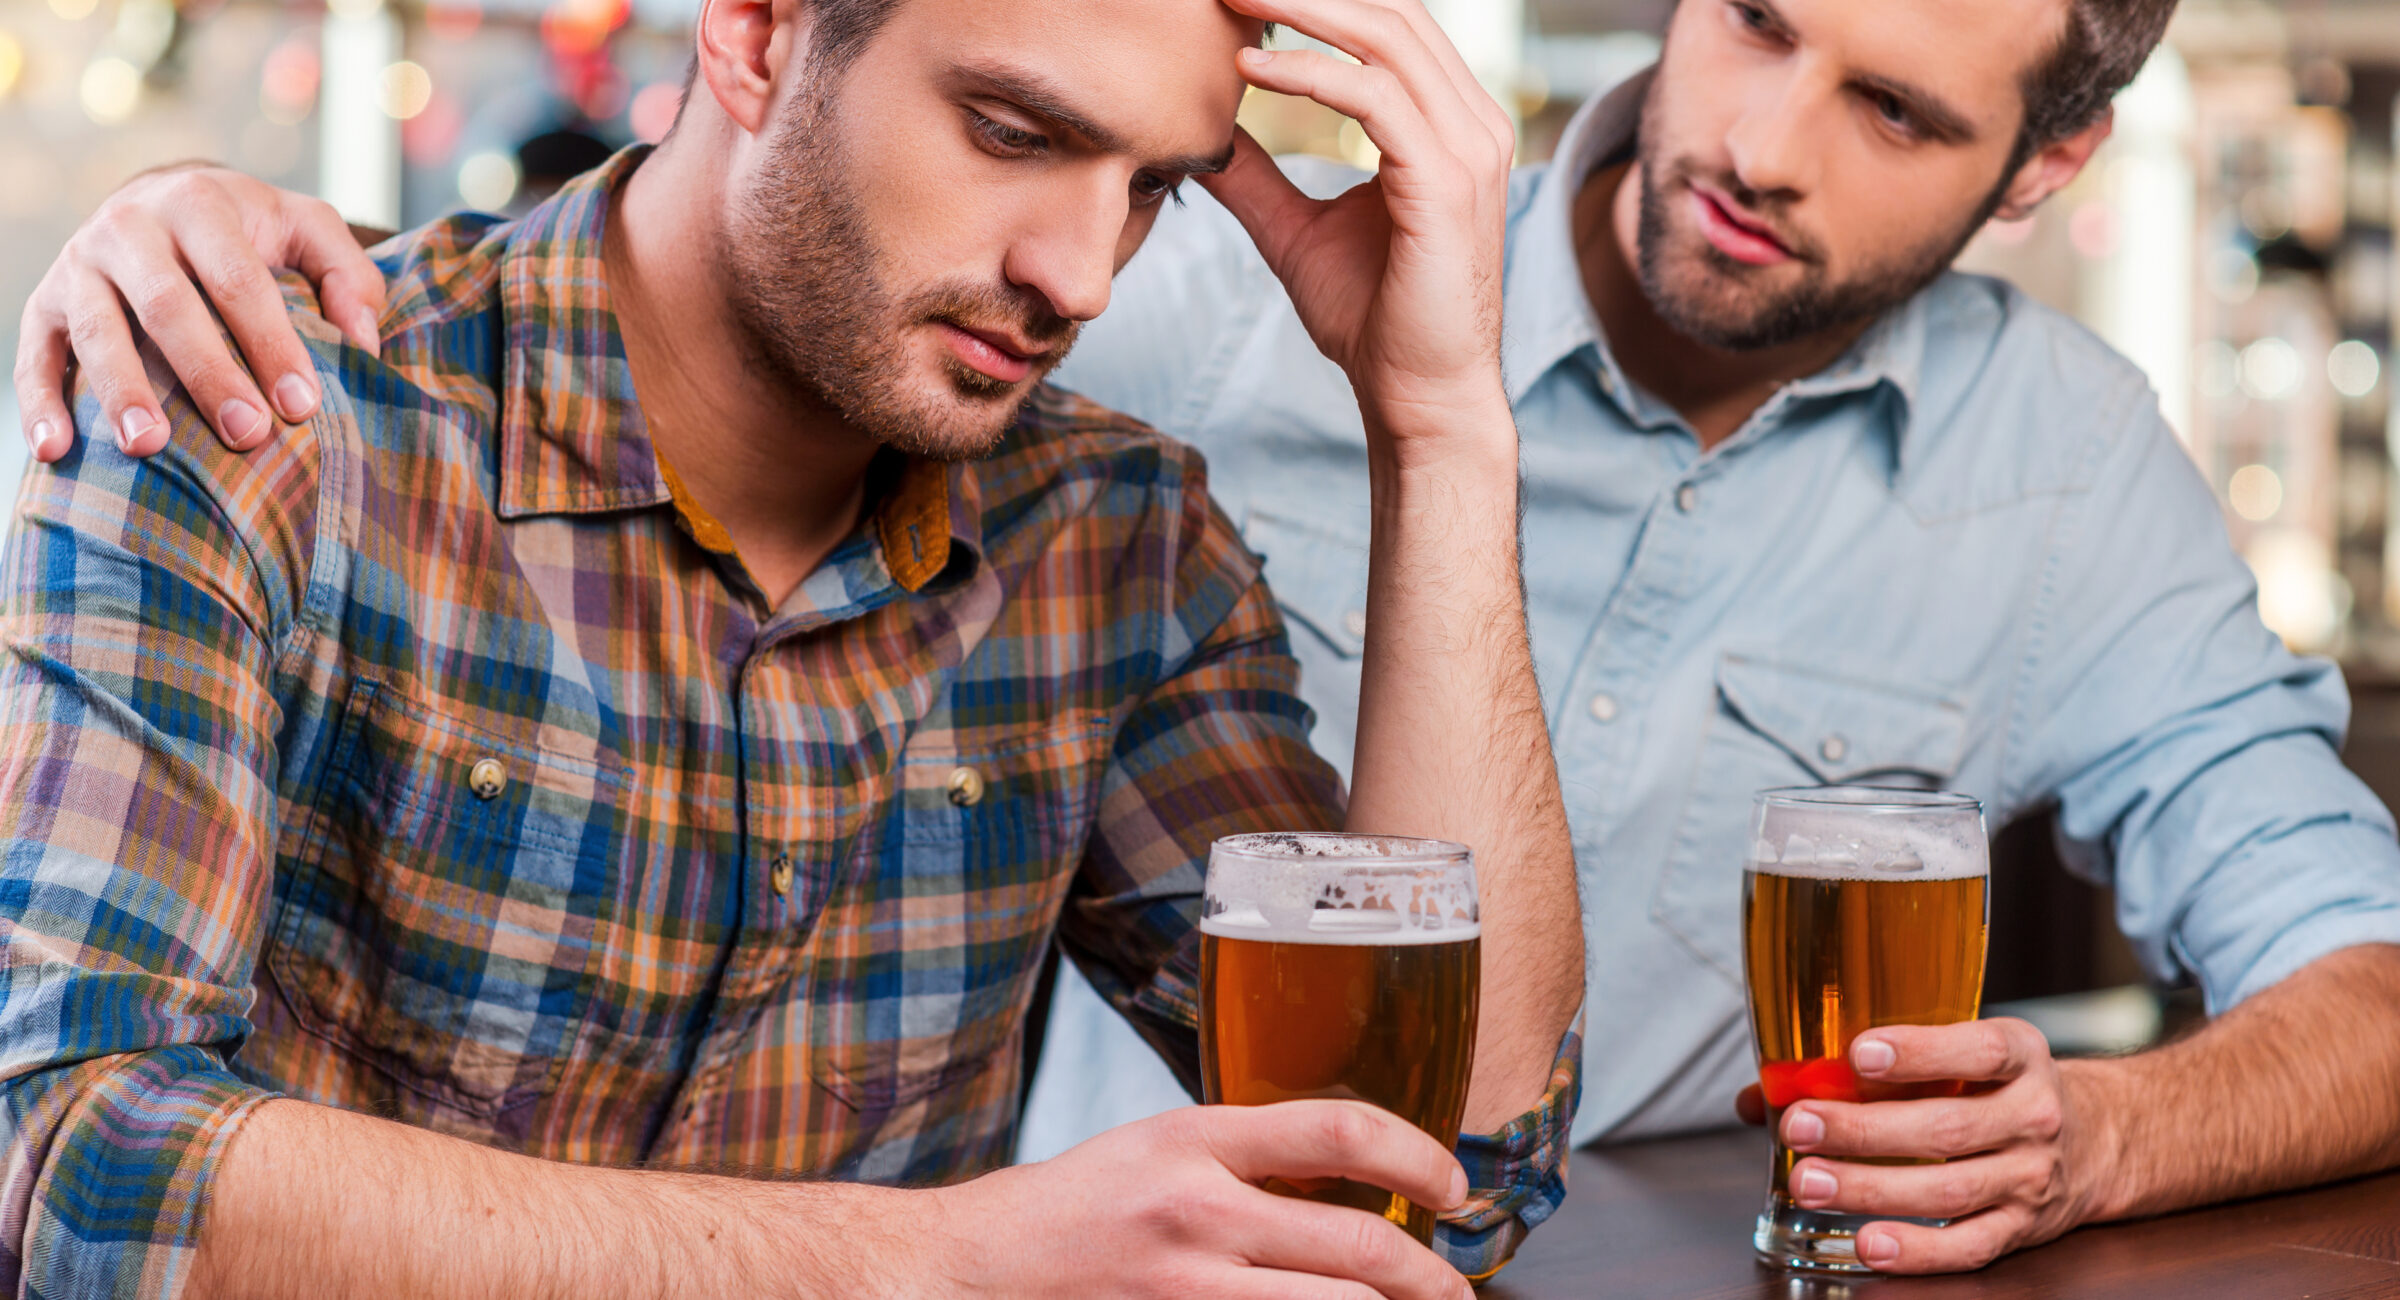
1262, 198
1750, 1105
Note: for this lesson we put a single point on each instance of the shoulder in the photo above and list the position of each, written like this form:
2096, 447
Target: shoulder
2014, 398
1067, 444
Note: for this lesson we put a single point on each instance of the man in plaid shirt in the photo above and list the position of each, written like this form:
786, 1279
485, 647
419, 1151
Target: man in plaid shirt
696, 780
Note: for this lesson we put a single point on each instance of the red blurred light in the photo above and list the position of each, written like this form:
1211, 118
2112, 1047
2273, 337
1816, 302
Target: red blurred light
654, 110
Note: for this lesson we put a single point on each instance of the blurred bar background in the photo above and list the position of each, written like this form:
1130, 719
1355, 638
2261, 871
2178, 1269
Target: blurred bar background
2234, 238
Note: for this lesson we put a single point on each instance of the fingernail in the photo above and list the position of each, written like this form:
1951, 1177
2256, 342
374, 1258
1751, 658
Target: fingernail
1872, 1055
1878, 1247
295, 397
1815, 1184
1458, 1189
240, 420
1803, 1129
1254, 56
132, 427
368, 332
38, 438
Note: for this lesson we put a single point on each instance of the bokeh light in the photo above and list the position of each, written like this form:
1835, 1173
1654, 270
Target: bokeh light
2093, 230
2353, 367
12, 61
453, 20
654, 110
404, 89
2255, 493
487, 180
2270, 368
73, 11
287, 81
110, 90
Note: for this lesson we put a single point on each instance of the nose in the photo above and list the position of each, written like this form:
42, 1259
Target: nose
1067, 251
1774, 143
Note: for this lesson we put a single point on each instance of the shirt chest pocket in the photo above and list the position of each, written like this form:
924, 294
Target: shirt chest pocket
1779, 724
440, 914
932, 948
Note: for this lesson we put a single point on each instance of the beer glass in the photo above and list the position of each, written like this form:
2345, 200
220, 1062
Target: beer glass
1860, 907
1341, 966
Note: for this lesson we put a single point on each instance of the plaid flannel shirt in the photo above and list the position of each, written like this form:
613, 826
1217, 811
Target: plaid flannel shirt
437, 759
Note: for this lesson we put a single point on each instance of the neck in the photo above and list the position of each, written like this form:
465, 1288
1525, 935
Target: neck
1715, 390
784, 474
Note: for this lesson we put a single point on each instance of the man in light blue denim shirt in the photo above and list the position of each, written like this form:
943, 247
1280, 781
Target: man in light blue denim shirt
1958, 547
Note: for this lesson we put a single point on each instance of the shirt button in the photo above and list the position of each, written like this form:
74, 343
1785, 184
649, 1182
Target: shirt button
1604, 708
781, 877
1687, 498
966, 787
1355, 622
1835, 749
487, 778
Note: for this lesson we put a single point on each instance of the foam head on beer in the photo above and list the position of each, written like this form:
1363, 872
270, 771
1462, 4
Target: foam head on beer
1327, 888
1837, 835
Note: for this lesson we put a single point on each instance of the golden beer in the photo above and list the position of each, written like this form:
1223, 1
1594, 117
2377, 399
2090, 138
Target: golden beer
1872, 912
1374, 1001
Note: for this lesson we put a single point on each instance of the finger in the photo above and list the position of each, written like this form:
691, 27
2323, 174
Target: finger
41, 378
1934, 1127
1276, 1284
1352, 1245
2000, 1048
112, 368
1374, 96
1945, 1191
1967, 1244
1488, 110
1331, 1139
1269, 206
237, 280
144, 265
1379, 36
1750, 1105
350, 287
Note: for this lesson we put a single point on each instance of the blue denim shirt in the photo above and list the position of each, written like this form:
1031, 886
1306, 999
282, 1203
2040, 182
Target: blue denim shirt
1968, 554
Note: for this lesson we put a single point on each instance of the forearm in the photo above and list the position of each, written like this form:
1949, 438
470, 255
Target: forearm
2294, 1086
313, 1202
1452, 741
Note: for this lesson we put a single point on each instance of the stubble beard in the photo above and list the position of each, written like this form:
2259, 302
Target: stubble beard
802, 283
1735, 307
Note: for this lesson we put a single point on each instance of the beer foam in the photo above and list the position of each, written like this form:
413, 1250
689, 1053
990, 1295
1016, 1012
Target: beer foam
1840, 845
1339, 889
1339, 927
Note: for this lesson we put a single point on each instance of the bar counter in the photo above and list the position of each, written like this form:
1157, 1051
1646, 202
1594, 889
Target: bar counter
1670, 1220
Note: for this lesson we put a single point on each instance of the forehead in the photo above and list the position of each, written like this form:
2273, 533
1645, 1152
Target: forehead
1158, 73
1970, 52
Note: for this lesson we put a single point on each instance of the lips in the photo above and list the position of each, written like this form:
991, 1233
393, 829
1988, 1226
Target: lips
996, 353
1733, 233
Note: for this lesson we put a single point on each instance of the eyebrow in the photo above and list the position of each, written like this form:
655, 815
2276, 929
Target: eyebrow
1940, 118
1044, 98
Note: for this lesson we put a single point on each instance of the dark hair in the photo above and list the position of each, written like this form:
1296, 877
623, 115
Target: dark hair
2103, 45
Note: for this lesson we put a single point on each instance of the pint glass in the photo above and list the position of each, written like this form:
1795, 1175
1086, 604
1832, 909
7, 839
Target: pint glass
1860, 907
1341, 966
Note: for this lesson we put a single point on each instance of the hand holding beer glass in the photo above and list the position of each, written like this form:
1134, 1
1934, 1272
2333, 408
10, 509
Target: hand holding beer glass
1861, 908
1342, 966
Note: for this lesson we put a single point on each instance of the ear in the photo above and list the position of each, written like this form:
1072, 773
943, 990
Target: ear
2050, 169
742, 46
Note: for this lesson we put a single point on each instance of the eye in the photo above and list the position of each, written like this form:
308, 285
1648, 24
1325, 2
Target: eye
1752, 17
1005, 141
1151, 187
1894, 112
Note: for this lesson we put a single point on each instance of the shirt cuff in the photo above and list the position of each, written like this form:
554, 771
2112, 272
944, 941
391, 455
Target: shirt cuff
114, 1158
1516, 1177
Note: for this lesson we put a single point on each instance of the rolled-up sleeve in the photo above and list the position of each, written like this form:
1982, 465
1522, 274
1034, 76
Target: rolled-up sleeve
140, 607
2196, 762
1517, 1176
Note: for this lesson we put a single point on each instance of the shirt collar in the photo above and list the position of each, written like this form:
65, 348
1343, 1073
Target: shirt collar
573, 439
1549, 315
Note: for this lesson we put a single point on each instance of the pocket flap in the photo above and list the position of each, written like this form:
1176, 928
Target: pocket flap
1318, 572
1845, 729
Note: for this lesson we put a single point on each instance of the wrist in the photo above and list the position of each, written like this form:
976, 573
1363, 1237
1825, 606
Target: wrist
2099, 1159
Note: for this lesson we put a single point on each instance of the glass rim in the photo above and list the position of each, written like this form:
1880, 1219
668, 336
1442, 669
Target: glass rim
1399, 850
1867, 798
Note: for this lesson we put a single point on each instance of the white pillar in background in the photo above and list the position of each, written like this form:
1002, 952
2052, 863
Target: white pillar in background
1490, 36
358, 150
2141, 298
